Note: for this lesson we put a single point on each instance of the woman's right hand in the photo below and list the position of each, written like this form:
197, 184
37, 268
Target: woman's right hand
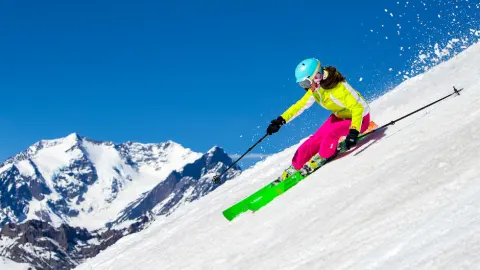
275, 125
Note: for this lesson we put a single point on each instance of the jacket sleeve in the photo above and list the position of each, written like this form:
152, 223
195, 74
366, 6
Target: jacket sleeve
299, 107
355, 104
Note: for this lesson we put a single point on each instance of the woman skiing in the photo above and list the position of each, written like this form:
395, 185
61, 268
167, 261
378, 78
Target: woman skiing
350, 115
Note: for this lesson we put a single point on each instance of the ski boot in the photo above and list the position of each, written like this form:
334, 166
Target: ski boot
314, 163
332, 157
287, 173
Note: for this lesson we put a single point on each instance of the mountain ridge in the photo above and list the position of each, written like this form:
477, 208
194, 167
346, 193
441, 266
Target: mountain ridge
57, 189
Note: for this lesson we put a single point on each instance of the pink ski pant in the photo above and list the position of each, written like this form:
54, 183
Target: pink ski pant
325, 140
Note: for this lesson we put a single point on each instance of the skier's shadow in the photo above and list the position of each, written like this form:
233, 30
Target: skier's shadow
375, 137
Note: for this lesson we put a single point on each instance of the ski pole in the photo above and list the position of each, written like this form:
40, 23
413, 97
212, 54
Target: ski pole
216, 179
455, 91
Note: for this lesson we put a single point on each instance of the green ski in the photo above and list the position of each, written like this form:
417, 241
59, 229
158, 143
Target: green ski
263, 196
269, 192
274, 189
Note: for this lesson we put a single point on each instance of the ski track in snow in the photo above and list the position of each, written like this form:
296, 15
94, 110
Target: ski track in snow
407, 200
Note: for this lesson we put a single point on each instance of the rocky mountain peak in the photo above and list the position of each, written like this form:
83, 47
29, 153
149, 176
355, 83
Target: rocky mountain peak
90, 185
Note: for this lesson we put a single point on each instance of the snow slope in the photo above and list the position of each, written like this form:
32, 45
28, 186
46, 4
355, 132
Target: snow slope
7, 264
409, 199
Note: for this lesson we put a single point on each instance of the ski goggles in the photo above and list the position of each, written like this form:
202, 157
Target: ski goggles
315, 79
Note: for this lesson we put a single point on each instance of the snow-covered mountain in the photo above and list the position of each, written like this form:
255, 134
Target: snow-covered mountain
39, 244
407, 200
60, 197
193, 182
83, 182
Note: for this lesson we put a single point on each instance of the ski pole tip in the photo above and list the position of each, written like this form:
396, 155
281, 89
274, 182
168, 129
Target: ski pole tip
457, 91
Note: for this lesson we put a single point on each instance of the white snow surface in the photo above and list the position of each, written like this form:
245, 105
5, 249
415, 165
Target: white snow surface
7, 264
408, 200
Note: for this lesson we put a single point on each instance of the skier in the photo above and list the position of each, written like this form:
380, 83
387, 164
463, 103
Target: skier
350, 115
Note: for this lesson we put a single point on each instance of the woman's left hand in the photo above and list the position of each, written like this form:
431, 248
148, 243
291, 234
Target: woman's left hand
351, 139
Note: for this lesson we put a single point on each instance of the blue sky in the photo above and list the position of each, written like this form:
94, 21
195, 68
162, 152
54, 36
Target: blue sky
201, 73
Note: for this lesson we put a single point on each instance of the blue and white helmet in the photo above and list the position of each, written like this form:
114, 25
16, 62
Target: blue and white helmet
306, 69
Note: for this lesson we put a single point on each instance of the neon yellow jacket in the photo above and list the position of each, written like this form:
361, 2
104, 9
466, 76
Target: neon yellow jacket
342, 100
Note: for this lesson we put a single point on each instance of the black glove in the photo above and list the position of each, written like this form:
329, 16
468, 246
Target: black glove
275, 125
351, 139
216, 179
